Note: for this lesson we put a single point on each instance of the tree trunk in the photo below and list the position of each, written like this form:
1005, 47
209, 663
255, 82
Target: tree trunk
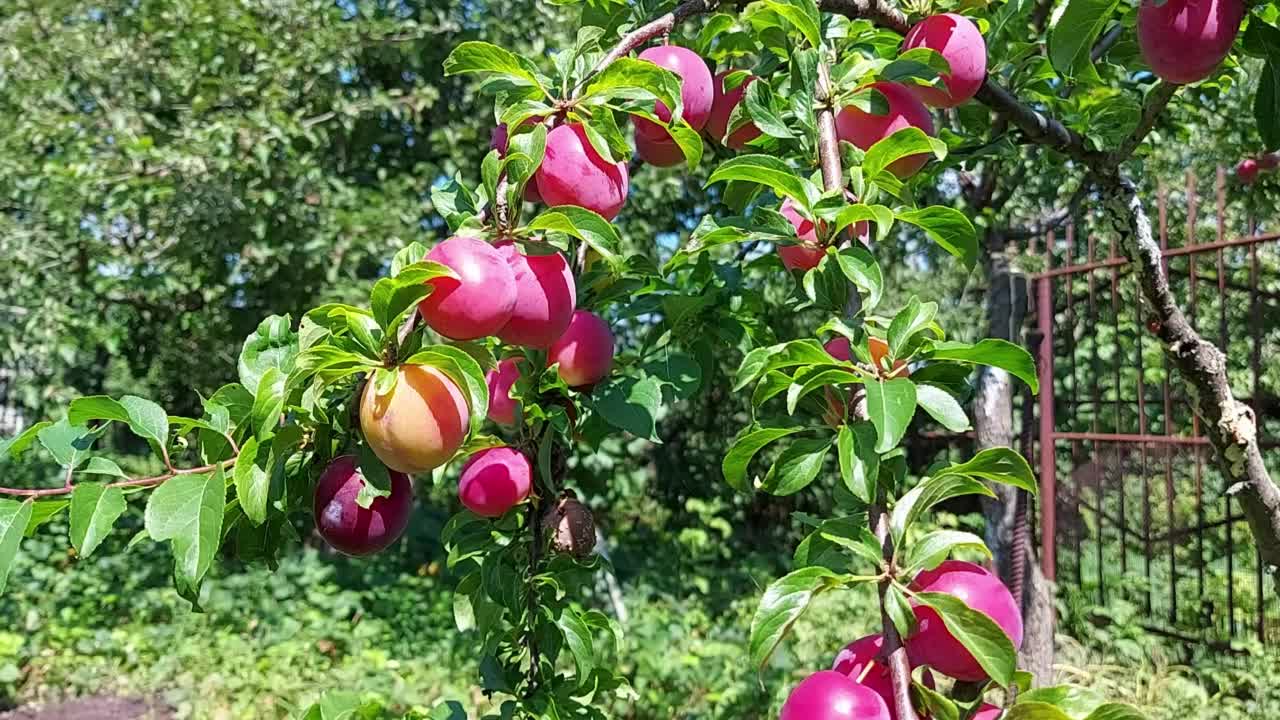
1015, 558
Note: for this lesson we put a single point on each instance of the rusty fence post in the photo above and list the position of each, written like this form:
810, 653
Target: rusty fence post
1048, 460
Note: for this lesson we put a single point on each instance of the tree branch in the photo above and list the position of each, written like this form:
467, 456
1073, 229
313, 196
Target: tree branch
1230, 424
68, 487
893, 649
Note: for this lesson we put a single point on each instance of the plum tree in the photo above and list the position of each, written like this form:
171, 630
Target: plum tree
572, 172
495, 480
829, 695
960, 43
419, 424
865, 129
722, 104
933, 644
1185, 40
584, 352
477, 302
350, 528
500, 380
862, 662
546, 297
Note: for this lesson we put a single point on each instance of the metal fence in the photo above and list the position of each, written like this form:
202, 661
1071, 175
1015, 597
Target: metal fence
1139, 511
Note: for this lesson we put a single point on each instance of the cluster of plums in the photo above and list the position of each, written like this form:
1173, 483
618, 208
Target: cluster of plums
859, 687
523, 299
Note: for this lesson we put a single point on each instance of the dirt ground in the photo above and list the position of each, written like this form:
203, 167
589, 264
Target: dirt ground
97, 708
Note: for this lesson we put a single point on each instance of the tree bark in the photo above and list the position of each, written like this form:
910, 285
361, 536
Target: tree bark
1230, 424
1015, 558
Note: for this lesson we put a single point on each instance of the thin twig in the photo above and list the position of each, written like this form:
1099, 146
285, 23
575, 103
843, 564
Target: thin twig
138, 482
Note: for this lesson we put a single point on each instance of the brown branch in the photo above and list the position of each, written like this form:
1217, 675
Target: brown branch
893, 649
1230, 424
828, 142
68, 487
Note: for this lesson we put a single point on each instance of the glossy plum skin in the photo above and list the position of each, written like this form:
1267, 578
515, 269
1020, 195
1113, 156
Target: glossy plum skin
502, 409
546, 297
905, 110
1247, 171
829, 695
420, 424
659, 153
495, 480
932, 644
480, 301
860, 662
987, 712
1184, 41
959, 41
585, 351
807, 255
345, 525
722, 105
839, 348
573, 173
695, 89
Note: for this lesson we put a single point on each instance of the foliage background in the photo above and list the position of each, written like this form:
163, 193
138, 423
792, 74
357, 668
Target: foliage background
171, 171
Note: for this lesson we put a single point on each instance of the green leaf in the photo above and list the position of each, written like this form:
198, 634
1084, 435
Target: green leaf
1077, 702
252, 481
488, 59
861, 269
834, 539
1266, 104
899, 610
577, 638
377, 478
949, 228
770, 172
999, 465
68, 444
14, 447
599, 234
14, 517
94, 511
631, 404
145, 418
634, 79
43, 511
859, 462
913, 319
744, 448
890, 405
803, 15
268, 402
928, 493
187, 510
783, 603
1116, 711
928, 551
796, 467
273, 344
774, 357
942, 407
978, 633
1073, 34
759, 107
465, 372
991, 352
907, 142
1034, 711
935, 705
817, 376
392, 296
